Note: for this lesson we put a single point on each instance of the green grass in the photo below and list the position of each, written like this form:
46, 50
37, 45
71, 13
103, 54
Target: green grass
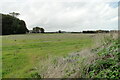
0, 57
23, 53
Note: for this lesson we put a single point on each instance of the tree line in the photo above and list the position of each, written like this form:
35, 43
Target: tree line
97, 31
13, 25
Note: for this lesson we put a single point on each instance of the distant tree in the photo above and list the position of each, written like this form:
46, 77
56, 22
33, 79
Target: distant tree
102, 31
60, 31
42, 30
89, 31
38, 30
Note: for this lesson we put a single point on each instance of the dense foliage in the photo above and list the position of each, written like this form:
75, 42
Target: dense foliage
108, 65
12, 25
38, 30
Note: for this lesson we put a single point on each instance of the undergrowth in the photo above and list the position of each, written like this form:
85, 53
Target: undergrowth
108, 63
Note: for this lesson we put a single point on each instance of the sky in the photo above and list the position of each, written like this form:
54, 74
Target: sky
65, 15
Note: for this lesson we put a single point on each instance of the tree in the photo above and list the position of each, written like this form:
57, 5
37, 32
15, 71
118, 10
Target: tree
13, 25
14, 14
42, 30
38, 30
60, 31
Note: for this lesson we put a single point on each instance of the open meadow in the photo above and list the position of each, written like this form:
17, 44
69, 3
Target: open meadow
49, 55
63, 39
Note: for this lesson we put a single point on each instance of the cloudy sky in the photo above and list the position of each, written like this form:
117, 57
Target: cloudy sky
66, 15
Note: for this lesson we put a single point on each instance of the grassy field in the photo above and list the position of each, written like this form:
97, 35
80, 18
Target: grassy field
24, 56
0, 57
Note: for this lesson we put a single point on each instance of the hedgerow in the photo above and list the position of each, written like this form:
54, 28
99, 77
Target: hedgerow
108, 63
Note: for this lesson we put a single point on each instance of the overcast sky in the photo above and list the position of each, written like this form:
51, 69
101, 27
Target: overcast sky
66, 15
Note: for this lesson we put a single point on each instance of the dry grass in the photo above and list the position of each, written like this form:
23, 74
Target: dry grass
73, 65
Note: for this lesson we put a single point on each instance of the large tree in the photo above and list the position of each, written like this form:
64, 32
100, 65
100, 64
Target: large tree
13, 25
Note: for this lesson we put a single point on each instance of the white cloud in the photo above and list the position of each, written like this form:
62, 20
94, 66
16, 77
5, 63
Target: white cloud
72, 15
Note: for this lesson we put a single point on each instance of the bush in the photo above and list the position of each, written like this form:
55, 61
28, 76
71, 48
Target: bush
108, 66
35, 75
